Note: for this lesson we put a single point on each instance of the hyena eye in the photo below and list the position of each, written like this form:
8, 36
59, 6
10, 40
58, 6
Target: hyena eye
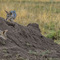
10, 13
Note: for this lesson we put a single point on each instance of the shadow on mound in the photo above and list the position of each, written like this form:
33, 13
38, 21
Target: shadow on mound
26, 43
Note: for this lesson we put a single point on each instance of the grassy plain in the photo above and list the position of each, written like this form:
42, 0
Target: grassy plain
46, 13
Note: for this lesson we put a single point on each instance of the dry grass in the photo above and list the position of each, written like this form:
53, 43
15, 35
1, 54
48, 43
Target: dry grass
31, 0
46, 14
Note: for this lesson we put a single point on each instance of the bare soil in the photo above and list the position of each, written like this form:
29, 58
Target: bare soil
26, 43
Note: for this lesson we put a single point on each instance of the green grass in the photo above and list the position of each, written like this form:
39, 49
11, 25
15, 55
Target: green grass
46, 14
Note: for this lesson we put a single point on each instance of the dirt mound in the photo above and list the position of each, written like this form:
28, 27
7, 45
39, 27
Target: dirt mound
26, 43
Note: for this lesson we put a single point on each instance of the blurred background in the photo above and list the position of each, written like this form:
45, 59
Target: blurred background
46, 13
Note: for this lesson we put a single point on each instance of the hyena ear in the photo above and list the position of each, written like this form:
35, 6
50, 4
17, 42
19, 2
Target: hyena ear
6, 11
4, 32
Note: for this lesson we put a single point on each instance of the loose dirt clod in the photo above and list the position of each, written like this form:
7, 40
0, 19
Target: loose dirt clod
26, 43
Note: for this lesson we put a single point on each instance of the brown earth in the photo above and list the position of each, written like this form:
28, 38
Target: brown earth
26, 43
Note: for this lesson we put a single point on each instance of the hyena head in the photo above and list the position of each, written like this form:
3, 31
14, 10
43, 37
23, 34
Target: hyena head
9, 14
3, 34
